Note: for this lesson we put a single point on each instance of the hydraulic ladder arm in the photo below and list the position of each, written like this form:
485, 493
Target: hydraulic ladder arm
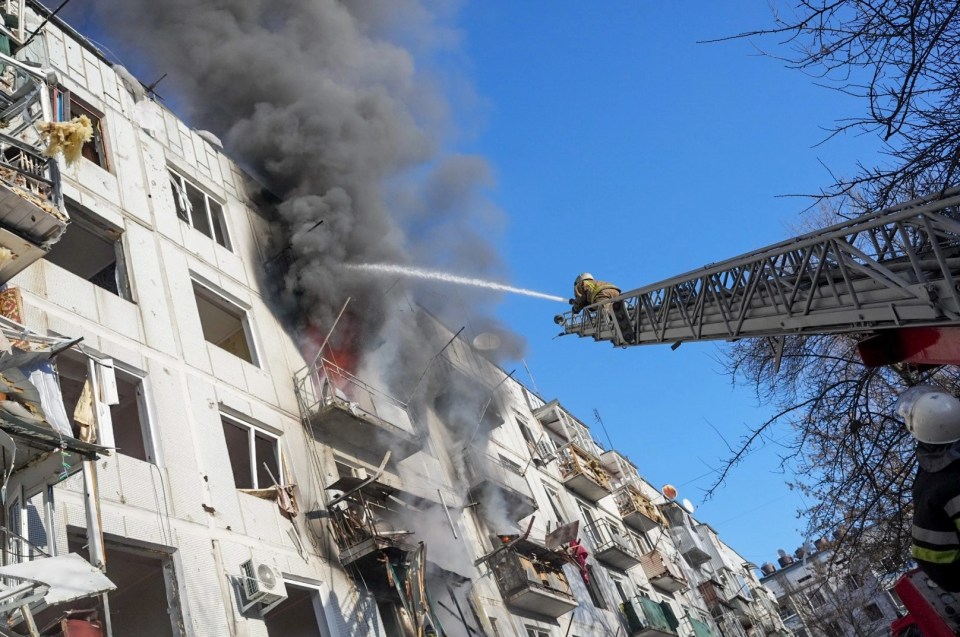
892, 273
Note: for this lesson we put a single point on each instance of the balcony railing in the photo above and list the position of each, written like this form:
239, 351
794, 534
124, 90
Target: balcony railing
494, 478
340, 406
647, 618
532, 579
662, 572
583, 473
612, 546
636, 510
32, 216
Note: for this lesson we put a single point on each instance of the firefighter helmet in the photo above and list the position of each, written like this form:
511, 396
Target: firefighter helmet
586, 276
932, 415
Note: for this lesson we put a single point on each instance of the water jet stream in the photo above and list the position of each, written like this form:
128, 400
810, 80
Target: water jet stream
433, 275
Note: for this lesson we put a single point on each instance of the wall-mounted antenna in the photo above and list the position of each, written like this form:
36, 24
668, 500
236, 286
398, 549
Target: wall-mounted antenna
596, 416
44, 23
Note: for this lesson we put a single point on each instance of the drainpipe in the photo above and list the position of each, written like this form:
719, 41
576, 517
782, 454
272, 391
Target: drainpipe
91, 498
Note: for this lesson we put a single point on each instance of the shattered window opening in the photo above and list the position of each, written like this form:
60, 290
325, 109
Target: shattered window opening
128, 425
65, 107
252, 451
93, 252
199, 210
224, 323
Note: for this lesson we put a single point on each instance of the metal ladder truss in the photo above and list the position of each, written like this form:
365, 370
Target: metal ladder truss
894, 268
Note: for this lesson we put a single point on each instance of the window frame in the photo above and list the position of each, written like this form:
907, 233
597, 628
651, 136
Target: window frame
179, 181
91, 224
225, 303
101, 371
253, 431
60, 95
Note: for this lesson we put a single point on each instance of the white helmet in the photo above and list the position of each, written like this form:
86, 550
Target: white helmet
931, 414
586, 276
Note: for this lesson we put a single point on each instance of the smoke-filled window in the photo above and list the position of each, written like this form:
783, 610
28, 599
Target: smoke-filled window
224, 323
66, 106
199, 210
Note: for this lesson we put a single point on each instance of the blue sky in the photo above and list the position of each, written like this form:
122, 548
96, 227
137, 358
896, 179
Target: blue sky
624, 148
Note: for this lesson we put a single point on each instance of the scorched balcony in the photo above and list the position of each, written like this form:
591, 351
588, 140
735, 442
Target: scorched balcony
582, 473
531, 578
342, 408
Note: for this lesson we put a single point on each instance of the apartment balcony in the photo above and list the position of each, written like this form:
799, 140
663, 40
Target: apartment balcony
531, 578
495, 479
663, 573
32, 216
340, 407
636, 510
691, 545
647, 618
611, 546
361, 526
583, 474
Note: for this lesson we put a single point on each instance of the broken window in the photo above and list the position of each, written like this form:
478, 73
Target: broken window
120, 402
224, 323
93, 252
146, 601
299, 615
66, 106
199, 210
254, 454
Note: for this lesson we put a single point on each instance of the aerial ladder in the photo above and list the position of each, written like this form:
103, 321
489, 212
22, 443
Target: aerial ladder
890, 276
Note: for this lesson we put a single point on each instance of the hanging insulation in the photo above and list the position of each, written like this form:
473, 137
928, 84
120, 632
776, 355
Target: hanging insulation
66, 137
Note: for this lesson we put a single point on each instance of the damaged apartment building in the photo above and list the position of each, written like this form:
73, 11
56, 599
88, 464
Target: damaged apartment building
174, 465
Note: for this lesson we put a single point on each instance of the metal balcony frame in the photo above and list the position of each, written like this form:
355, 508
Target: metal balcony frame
899, 267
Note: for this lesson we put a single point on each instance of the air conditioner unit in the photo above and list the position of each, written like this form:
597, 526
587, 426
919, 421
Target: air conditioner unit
262, 583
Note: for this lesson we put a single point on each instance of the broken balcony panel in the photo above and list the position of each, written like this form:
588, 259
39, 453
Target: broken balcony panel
361, 524
342, 408
662, 572
583, 473
646, 618
531, 578
636, 510
496, 481
611, 546
32, 216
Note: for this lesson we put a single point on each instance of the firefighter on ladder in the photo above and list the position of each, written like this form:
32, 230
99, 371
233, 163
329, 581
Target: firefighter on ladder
587, 291
932, 417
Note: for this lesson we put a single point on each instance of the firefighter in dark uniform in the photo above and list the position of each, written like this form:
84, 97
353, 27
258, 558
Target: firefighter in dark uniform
932, 416
587, 291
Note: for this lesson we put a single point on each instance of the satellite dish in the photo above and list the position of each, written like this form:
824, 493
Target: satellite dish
688, 505
669, 491
486, 341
